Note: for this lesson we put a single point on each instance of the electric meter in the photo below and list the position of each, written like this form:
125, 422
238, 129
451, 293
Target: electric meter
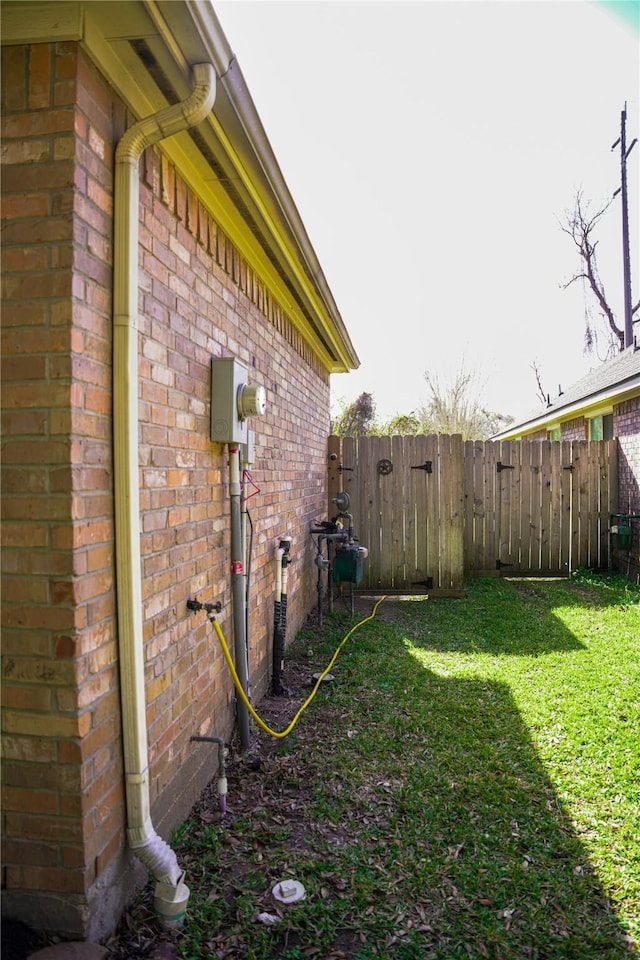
233, 399
252, 400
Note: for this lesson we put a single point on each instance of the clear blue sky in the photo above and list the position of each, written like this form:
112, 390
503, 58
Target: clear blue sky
431, 148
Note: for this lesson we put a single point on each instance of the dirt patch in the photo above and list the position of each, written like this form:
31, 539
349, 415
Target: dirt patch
253, 848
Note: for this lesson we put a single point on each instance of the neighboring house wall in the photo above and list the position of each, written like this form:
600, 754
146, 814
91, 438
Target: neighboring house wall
626, 421
66, 863
626, 428
574, 429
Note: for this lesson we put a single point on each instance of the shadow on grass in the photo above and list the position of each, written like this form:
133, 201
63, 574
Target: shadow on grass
496, 617
412, 805
475, 833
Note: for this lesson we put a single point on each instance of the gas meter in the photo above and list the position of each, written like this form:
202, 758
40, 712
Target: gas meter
233, 399
347, 564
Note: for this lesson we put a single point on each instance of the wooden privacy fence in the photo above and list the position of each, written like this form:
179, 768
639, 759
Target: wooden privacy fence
432, 509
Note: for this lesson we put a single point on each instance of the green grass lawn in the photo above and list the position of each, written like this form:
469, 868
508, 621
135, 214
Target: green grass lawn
467, 787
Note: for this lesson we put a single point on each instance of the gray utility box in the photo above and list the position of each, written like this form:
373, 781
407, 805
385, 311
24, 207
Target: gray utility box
233, 399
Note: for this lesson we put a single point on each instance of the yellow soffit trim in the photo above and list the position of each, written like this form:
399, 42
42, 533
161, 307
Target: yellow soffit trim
244, 239
127, 75
291, 261
41, 22
223, 211
81, 21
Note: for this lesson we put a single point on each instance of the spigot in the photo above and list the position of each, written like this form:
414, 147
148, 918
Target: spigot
284, 544
195, 605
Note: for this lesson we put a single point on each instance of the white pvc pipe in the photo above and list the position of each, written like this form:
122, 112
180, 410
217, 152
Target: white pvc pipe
279, 556
171, 893
284, 578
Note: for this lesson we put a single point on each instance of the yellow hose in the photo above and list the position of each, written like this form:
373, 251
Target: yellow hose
245, 699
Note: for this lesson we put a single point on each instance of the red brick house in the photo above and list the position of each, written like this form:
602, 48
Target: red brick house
147, 231
603, 405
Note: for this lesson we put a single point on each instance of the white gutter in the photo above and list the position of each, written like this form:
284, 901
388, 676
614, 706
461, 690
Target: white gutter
171, 894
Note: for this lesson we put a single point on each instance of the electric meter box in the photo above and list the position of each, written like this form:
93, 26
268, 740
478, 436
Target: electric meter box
233, 399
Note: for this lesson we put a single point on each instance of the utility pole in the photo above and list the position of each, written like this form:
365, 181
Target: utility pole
626, 253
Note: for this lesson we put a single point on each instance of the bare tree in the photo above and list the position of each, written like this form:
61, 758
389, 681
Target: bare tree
580, 224
456, 408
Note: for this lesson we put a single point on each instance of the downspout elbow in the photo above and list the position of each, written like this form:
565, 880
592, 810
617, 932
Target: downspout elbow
173, 119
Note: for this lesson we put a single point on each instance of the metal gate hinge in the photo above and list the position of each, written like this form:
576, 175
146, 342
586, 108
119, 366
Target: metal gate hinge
427, 466
505, 466
500, 564
342, 468
570, 467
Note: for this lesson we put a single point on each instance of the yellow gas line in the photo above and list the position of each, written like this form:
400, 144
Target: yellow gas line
245, 699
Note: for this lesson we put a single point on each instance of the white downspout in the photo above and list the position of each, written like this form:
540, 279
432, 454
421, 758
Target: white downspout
171, 894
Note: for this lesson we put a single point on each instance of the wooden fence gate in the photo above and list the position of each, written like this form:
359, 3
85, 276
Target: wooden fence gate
407, 503
431, 509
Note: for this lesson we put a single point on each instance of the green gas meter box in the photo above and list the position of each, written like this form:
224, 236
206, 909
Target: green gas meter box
624, 536
347, 565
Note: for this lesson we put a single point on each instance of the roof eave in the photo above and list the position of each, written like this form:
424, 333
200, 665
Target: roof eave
182, 33
617, 393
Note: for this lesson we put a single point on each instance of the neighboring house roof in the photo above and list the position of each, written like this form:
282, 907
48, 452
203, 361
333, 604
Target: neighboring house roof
146, 51
611, 382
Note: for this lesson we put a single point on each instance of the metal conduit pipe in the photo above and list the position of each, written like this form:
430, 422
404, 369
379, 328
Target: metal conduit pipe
238, 592
280, 614
171, 894
277, 651
285, 543
247, 554
324, 564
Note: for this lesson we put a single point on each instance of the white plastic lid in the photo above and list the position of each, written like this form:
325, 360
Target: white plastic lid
288, 891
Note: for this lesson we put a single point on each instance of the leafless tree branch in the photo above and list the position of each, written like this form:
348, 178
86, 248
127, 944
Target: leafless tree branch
580, 224
536, 369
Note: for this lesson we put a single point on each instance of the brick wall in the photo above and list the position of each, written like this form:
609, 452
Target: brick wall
575, 429
199, 298
66, 866
62, 803
626, 424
